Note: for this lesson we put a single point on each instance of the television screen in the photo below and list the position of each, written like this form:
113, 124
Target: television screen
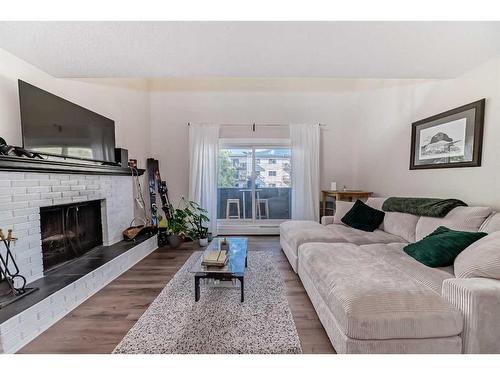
54, 126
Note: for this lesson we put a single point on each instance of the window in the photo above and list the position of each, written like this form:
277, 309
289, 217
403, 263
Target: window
250, 191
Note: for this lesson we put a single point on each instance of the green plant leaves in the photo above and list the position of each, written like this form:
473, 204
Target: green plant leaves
188, 219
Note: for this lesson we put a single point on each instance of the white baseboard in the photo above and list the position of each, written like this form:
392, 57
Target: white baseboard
248, 229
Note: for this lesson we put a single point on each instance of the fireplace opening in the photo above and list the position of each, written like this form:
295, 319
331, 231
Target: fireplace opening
69, 231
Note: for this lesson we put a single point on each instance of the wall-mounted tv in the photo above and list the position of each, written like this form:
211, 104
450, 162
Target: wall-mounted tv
54, 126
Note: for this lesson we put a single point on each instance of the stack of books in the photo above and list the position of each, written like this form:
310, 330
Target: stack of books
215, 258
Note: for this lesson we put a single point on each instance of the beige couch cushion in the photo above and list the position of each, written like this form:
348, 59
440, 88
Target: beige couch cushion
467, 219
481, 259
298, 232
372, 298
394, 255
376, 202
397, 223
344, 233
341, 208
491, 224
401, 224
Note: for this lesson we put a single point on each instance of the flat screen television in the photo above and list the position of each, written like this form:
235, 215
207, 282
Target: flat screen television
54, 126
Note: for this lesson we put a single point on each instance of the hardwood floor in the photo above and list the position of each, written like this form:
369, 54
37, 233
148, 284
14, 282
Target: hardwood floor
99, 324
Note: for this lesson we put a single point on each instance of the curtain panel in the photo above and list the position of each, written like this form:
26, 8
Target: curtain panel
203, 154
305, 171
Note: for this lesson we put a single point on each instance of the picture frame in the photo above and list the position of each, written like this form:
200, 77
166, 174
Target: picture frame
451, 139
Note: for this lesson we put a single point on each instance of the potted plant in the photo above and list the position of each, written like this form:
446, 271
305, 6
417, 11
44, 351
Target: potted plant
197, 217
177, 226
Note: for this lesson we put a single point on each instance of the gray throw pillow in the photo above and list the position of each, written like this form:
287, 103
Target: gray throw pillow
481, 259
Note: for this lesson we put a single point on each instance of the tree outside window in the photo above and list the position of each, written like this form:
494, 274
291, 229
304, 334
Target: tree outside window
227, 170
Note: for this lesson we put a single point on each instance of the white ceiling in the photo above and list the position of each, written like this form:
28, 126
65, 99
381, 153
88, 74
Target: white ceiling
253, 49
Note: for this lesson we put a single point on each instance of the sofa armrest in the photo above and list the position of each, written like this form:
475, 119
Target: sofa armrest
479, 301
327, 220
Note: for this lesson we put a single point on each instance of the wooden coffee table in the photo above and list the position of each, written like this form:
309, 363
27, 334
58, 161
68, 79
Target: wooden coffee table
234, 268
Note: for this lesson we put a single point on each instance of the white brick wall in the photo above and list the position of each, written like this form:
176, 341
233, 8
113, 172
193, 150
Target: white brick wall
22, 195
24, 327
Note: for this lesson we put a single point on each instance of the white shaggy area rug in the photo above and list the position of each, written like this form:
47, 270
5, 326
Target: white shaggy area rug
218, 322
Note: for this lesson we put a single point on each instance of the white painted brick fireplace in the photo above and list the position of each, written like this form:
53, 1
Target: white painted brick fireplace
22, 195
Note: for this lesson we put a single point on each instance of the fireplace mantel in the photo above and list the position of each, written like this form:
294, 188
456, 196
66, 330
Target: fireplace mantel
23, 164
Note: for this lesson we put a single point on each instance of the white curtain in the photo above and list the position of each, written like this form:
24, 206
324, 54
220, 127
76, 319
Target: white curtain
203, 154
305, 171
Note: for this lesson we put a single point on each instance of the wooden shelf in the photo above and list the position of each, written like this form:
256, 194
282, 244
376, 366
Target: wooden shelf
22, 164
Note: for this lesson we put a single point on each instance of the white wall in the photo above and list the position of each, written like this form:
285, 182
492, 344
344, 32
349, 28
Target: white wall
124, 100
174, 103
366, 143
385, 129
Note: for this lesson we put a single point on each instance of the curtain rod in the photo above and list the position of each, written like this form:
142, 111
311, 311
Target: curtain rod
256, 124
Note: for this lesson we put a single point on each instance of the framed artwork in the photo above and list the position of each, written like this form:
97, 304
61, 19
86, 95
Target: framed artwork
450, 139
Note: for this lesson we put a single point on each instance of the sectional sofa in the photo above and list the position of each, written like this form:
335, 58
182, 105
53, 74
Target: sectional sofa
372, 297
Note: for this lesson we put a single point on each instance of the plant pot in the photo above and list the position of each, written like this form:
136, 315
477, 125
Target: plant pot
174, 241
203, 241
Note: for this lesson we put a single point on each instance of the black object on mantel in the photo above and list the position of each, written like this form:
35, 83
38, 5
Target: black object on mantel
20, 164
121, 156
9, 150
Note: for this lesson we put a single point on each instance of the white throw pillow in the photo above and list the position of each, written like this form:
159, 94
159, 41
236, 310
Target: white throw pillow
398, 223
401, 224
491, 224
467, 219
341, 208
376, 202
481, 259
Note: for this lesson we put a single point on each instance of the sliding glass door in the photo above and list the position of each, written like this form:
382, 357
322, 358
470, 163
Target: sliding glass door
254, 188
272, 184
235, 184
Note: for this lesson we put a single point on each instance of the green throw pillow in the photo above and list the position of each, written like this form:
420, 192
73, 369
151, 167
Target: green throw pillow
441, 247
363, 217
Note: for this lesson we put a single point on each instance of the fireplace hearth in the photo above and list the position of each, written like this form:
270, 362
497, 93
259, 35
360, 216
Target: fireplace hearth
69, 231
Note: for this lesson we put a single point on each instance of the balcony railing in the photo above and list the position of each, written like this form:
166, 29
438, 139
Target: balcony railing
275, 203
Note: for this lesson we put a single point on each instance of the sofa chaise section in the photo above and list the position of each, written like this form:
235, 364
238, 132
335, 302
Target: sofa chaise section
369, 304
